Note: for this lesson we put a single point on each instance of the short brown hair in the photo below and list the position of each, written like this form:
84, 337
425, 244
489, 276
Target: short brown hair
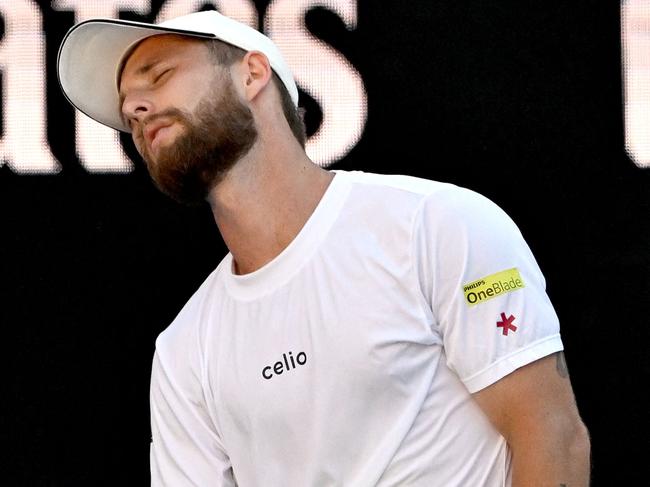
226, 55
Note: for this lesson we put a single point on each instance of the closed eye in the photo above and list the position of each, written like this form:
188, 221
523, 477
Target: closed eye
159, 76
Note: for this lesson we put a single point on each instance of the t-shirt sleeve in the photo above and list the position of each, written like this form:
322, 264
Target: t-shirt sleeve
186, 449
486, 292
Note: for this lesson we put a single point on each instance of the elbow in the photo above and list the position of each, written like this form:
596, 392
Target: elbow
580, 444
562, 442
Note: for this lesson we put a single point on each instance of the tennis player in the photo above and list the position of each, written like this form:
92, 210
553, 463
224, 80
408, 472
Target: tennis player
364, 329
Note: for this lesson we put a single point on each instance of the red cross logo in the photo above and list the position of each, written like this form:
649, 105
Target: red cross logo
506, 323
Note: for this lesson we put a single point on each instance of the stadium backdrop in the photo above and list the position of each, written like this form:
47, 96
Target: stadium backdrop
526, 102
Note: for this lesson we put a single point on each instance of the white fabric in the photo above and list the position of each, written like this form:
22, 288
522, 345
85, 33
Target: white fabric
349, 359
91, 55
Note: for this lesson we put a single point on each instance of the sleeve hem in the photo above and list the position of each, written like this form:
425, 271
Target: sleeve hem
510, 363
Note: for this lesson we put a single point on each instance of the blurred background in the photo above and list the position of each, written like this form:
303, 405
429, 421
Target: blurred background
544, 107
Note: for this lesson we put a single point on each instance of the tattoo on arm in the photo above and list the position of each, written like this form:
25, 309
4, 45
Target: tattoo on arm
562, 485
563, 371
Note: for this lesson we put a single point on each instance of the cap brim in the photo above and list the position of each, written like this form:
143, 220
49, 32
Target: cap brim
89, 61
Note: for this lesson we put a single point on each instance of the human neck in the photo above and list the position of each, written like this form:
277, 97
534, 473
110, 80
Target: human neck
265, 200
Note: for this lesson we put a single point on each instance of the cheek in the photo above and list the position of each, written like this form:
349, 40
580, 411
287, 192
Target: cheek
182, 93
197, 88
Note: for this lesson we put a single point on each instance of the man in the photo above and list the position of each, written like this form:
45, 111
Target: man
363, 329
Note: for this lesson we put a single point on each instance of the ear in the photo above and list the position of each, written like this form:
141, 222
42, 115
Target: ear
256, 73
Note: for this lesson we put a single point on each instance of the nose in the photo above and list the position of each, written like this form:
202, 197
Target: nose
136, 107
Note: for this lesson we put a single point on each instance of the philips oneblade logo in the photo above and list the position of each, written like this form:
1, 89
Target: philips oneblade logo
473, 285
492, 286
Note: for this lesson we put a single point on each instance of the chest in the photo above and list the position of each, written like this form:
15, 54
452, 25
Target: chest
326, 336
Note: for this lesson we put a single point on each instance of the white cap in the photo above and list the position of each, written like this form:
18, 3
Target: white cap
91, 55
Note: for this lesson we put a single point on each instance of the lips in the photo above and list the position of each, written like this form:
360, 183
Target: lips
152, 129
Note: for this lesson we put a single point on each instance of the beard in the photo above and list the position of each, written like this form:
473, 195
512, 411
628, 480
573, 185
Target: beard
220, 132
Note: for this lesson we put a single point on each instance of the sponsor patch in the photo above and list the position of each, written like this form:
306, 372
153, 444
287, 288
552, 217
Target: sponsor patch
506, 324
492, 286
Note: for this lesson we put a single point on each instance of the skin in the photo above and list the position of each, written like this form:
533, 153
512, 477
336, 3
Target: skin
148, 86
534, 409
265, 199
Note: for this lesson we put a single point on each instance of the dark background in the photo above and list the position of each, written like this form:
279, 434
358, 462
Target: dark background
518, 100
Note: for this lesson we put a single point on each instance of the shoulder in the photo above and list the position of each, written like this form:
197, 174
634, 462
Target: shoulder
445, 199
424, 209
390, 196
189, 324
460, 213
394, 183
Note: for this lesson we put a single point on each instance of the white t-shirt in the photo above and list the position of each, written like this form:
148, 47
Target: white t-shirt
349, 359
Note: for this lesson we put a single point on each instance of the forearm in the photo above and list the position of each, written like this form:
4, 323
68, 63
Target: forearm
553, 460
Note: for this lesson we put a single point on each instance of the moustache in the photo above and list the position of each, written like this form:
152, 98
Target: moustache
174, 113
169, 113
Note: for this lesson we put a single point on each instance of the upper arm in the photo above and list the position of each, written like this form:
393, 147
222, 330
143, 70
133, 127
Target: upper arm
534, 409
504, 344
485, 289
533, 401
186, 449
